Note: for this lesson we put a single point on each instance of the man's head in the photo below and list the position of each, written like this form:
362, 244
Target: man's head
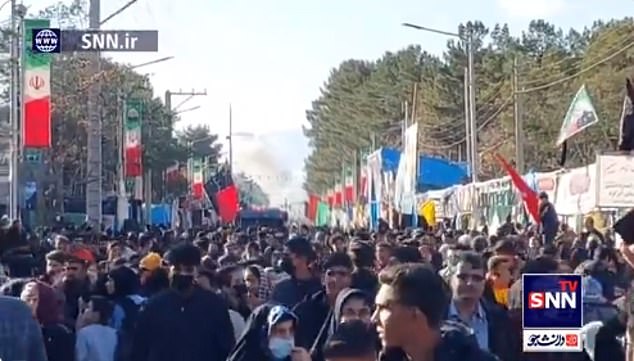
301, 255
543, 198
55, 262
75, 269
183, 261
467, 281
499, 271
337, 273
62, 244
383, 253
410, 306
589, 223
350, 343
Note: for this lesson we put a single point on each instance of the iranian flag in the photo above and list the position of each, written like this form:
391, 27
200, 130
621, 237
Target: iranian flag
133, 148
36, 115
348, 190
198, 183
338, 194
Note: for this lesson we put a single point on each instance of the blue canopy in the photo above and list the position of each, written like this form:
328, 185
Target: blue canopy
389, 159
437, 173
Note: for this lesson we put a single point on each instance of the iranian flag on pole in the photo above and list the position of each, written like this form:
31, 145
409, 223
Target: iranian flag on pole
36, 113
338, 194
348, 190
133, 150
198, 182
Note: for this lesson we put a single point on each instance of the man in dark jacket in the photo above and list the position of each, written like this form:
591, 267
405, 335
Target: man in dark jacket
302, 282
410, 321
489, 322
185, 322
315, 312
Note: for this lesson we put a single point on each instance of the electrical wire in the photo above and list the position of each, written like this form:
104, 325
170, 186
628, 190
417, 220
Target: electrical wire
580, 72
481, 127
578, 63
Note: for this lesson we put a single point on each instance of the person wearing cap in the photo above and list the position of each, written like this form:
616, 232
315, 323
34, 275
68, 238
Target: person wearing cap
153, 278
184, 322
302, 281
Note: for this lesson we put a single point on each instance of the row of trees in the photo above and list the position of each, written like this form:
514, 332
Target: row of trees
65, 162
361, 103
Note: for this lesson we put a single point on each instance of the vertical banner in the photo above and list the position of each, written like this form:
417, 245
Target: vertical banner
197, 179
133, 151
36, 97
349, 185
405, 184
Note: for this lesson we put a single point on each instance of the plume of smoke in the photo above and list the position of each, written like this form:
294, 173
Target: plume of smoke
257, 160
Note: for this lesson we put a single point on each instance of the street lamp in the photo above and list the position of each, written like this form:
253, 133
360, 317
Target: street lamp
470, 120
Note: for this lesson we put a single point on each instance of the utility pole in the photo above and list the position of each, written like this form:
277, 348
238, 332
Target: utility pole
467, 117
230, 138
519, 131
94, 182
475, 167
14, 118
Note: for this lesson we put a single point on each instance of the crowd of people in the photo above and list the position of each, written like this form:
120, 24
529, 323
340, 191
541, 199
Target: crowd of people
298, 293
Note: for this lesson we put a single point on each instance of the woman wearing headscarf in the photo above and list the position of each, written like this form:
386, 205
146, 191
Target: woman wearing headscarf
47, 307
350, 304
269, 336
123, 287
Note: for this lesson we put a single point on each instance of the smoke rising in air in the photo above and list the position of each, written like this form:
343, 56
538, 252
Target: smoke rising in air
262, 161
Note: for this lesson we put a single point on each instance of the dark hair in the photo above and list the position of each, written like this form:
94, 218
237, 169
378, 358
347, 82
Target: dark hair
350, 340
255, 270
406, 254
408, 280
337, 259
474, 259
362, 254
102, 305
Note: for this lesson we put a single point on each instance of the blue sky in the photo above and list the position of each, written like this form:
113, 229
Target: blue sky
270, 57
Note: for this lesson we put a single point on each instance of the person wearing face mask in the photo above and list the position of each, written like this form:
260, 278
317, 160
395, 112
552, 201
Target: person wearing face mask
302, 281
184, 322
269, 336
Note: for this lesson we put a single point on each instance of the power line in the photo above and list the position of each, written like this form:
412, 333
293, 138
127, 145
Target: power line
581, 72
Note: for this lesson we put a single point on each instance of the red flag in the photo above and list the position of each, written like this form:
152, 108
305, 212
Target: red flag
228, 203
311, 206
529, 196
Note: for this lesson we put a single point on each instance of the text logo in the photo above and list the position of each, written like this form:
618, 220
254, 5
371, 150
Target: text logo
551, 341
566, 298
46, 41
110, 40
552, 301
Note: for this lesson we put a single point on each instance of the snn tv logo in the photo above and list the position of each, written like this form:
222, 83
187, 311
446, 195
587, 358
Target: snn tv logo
552, 312
557, 300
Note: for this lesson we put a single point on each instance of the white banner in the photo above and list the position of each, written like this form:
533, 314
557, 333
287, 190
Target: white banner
615, 181
405, 187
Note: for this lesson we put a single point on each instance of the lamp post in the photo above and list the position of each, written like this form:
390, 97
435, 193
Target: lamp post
470, 120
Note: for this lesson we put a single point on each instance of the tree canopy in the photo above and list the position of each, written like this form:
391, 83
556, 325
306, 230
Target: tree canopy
361, 103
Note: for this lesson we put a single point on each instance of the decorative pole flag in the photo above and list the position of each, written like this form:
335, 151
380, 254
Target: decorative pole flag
349, 185
133, 147
580, 115
198, 182
529, 196
338, 194
36, 113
